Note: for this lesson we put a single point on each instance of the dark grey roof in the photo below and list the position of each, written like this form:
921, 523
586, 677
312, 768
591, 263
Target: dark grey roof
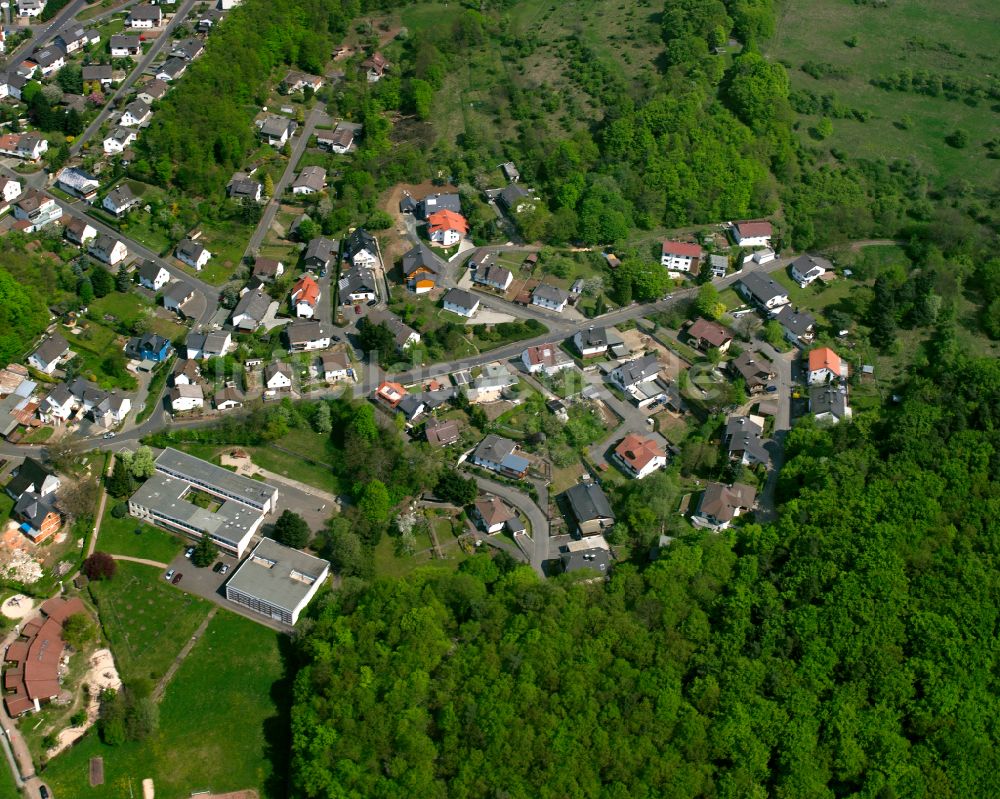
762, 287
125, 40
275, 127
411, 405
145, 12
278, 575
797, 322
187, 48
550, 293
586, 554
755, 369
588, 502
322, 249
494, 448
244, 187
121, 196
512, 195
311, 177
439, 202
360, 239
721, 501
594, 337
308, 330
461, 298
640, 369
137, 108
825, 398
33, 508
253, 304
30, 474
190, 248
744, 435
149, 270
47, 55
52, 348
357, 279
277, 367
401, 331
97, 72
422, 255
172, 67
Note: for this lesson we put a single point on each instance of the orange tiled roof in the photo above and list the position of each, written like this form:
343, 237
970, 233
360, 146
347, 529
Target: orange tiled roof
824, 358
447, 220
306, 290
637, 451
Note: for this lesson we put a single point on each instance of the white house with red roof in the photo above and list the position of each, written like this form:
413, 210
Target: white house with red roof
753, 233
446, 227
825, 366
305, 296
546, 358
680, 256
640, 456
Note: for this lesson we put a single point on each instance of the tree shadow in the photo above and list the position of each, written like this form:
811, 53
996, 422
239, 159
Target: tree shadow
278, 728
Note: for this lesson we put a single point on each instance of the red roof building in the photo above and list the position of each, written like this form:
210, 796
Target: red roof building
640, 456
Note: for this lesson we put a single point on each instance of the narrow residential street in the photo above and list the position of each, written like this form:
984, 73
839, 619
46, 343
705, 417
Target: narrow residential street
536, 517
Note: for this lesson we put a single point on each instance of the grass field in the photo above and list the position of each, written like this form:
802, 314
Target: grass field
129, 536
7, 788
129, 307
146, 620
945, 38
226, 241
222, 725
91, 348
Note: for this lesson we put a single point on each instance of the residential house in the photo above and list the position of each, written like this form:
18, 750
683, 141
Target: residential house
52, 350
589, 509
148, 347
171, 69
681, 256
307, 336
390, 393
589, 554
825, 366
311, 180
124, 46
320, 253
186, 373
489, 273
34, 210
120, 200
404, 335
267, 270
461, 302
828, 403
640, 456
153, 91
278, 376
78, 183
228, 398
412, 406
421, 269
187, 398
592, 341
718, 265
361, 249
192, 253
38, 516
208, 19
48, 60
510, 172
491, 384
550, 297
806, 269
144, 16
546, 358
242, 187
753, 233
34, 478
58, 406
119, 140
756, 370
305, 296
153, 276
798, 326
276, 130
12, 84
75, 37
446, 227
136, 113
433, 203
339, 140
251, 310
188, 49
30, 8
98, 75
441, 433
719, 504
515, 199
764, 256
491, 514
299, 81
177, 296
743, 440
28, 146
10, 189
357, 284
632, 373
375, 67
200, 346
335, 366
108, 249
706, 335
499, 455
764, 291
79, 231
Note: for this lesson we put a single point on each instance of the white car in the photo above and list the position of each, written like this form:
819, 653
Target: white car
109, 434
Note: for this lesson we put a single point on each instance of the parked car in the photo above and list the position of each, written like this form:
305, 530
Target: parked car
188, 552
168, 575
372, 303
224, 569
177, 578
771, 389
109, 434
43, 792
217, 567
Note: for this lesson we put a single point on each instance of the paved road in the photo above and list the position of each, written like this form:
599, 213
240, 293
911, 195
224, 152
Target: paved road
536, 517
43, 34
316, 116
145, 61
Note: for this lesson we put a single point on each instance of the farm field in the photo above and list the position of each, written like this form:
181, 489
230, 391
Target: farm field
948, 39
221, 725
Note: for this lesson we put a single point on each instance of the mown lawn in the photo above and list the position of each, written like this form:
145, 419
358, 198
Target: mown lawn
129, 536
129, 307
146, 619
223, 725
92, 347
227, 242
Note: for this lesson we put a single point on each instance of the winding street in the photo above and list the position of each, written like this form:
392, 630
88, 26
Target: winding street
536, 517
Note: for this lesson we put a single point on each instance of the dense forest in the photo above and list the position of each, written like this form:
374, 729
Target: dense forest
849, 649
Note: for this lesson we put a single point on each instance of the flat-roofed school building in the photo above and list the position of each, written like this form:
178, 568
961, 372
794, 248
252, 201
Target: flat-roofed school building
166, 500
277, 581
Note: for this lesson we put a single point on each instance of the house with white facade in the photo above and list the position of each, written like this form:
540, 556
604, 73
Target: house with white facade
806, 269
153, 276
185, 398
681, 257
461, 302
192, 253
144, 17
753, 233
107, 249
550, 297
640, 456
118, 140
